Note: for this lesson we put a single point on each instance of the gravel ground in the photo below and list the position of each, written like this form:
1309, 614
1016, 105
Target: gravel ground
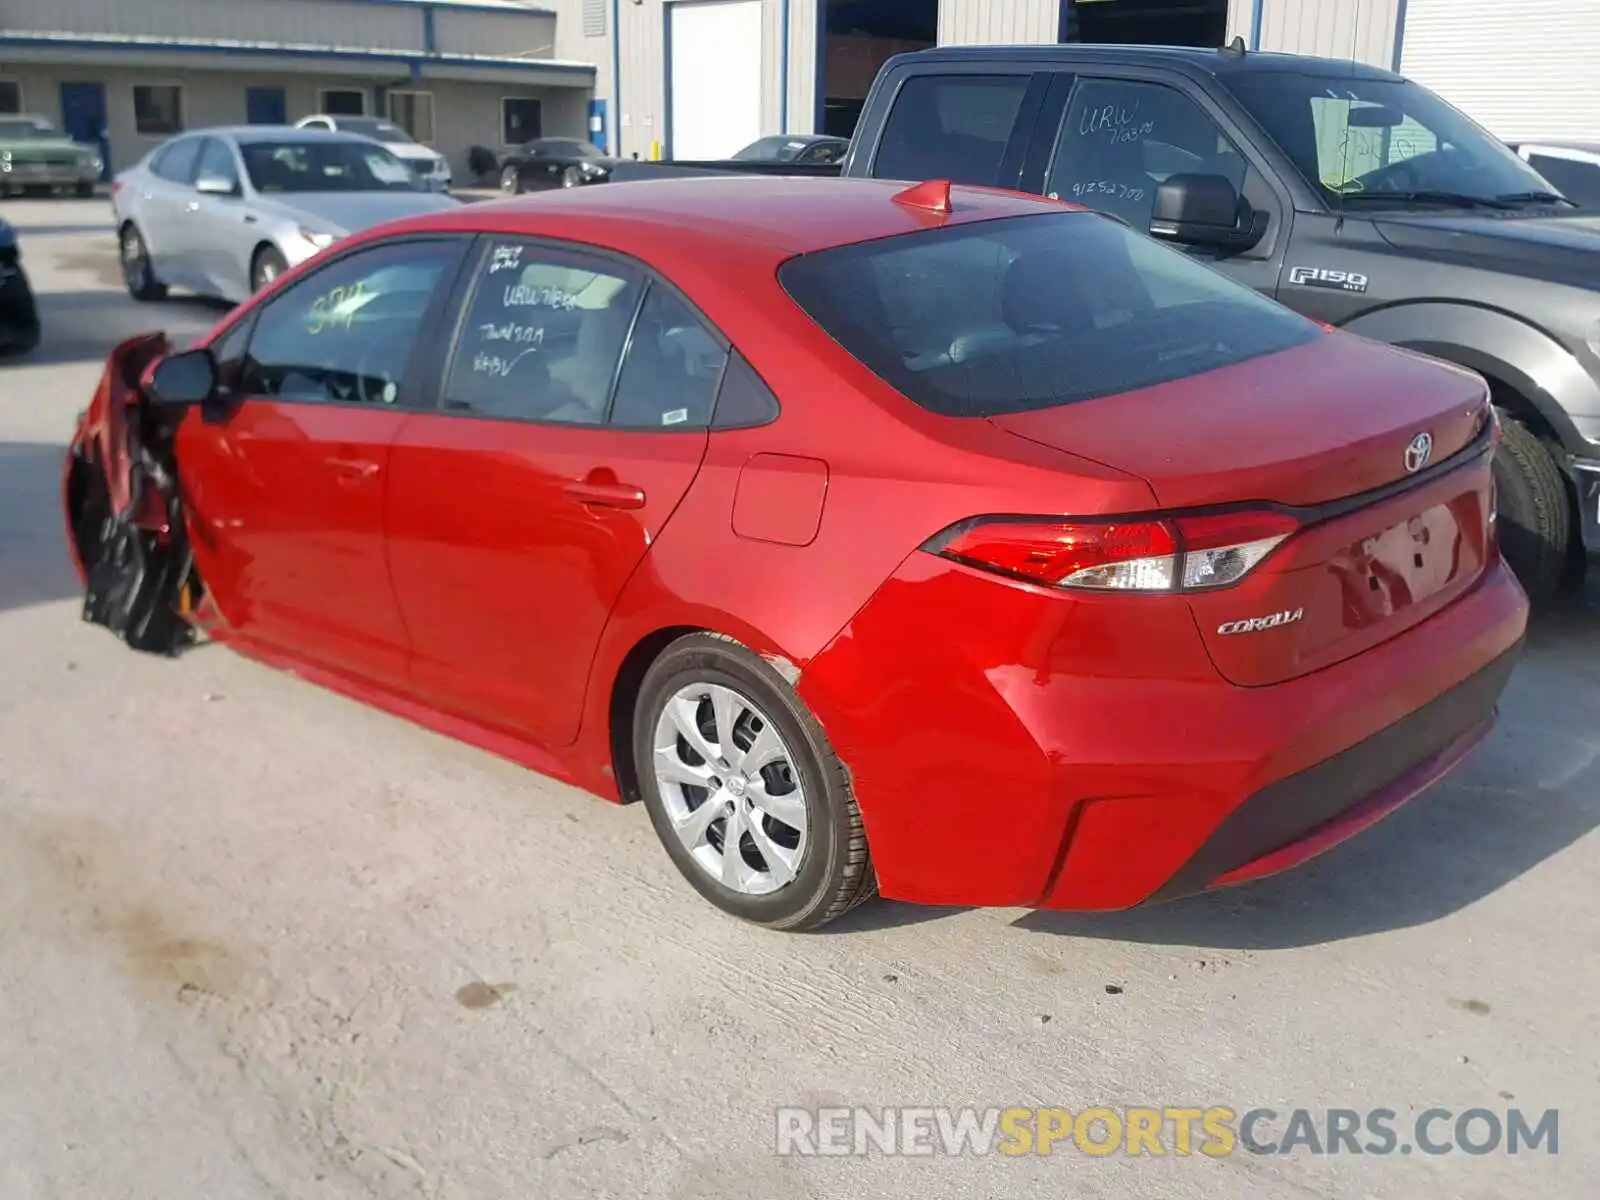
258, 941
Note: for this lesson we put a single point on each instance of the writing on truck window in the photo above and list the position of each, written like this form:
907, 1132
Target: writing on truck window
1118, 124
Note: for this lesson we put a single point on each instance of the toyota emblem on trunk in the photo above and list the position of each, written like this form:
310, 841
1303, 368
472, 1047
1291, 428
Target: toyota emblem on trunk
1419, 452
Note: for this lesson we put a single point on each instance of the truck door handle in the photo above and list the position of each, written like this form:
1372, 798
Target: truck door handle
353, 468
607, 495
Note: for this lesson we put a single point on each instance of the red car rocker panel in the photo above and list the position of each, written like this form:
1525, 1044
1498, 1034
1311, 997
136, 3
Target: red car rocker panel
947, 543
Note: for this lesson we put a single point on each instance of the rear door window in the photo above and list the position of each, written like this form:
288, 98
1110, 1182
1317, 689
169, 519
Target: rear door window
177, 162
954, 127
543, 335
1030, 312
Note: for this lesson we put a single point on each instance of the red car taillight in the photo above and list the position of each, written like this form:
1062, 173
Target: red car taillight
1131, 554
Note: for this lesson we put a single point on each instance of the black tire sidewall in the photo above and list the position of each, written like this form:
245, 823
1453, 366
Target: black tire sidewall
1533, 508
706, 659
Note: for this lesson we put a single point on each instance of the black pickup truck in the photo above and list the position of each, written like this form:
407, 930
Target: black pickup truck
1350, 194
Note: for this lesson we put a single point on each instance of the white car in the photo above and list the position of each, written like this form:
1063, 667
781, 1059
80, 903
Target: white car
429, 165
1571, 164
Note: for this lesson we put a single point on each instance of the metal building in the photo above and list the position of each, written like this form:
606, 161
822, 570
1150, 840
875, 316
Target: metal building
698, 78
455, 73
701, 78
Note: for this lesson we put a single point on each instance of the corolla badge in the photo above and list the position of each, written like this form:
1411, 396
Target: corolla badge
1419, 452
1257, 624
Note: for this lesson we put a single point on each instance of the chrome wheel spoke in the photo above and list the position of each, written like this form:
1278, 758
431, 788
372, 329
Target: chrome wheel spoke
788, 807
733, 864
681, 711
768, 748
781, 863
692, 826
671, 768
728, 707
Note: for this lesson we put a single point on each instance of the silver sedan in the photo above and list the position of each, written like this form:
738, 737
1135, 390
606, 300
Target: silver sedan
223, 212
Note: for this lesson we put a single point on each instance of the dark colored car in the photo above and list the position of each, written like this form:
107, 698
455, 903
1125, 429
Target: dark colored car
19, 314
945, 541
808, 148
553, 163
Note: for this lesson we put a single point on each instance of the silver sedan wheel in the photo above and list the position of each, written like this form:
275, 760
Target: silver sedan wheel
730, 788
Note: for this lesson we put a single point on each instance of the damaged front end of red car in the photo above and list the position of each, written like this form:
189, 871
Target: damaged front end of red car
124, 507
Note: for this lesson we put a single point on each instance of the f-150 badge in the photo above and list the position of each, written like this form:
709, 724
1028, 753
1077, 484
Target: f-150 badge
1344, 281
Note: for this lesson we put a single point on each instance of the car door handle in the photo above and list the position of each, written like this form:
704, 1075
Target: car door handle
607, 495
249, 218
353, 468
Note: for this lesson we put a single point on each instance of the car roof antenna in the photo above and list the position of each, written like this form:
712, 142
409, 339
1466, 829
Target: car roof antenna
933, 196
1235, 48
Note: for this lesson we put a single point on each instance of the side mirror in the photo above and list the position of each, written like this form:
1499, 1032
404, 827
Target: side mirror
216, 185
1205, 210
184, 380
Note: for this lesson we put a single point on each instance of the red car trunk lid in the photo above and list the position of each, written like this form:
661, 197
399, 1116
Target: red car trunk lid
1317, 428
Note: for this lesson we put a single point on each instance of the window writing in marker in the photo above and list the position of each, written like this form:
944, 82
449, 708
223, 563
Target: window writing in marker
1118, 124
521, 295
510, 331
505, 258
496, 366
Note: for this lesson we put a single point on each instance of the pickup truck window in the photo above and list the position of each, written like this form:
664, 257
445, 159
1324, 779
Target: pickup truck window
953, 127
1120, 138
1383, 141
1032, 312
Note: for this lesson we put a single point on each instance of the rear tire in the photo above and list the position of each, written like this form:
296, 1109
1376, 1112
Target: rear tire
1535, 512
511, 181
571, 177
786, 877
138, 272
85, 191
267, 265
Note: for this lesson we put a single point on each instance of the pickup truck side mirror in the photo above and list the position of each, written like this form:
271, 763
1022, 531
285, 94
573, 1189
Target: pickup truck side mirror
1205, 210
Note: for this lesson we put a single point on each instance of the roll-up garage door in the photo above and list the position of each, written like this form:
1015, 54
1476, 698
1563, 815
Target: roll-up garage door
714, 56
1520, 68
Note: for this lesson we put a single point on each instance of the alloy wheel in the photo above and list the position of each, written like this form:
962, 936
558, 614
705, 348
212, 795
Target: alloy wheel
730, 788
135, 262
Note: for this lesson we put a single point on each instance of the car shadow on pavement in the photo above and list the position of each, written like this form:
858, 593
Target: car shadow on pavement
86, 229
85, 326
1528, 793
35, 567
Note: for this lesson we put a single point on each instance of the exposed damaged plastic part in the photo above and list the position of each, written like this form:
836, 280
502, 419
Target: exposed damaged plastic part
127, 512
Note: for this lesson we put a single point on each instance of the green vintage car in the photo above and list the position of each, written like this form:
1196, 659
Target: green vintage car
33, 154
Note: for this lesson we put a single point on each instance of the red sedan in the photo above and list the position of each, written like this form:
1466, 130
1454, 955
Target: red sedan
946, 543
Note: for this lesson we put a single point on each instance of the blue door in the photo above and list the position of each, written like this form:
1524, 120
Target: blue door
266, 106
83, 117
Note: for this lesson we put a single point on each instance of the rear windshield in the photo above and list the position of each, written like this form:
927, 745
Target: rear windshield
1031, 312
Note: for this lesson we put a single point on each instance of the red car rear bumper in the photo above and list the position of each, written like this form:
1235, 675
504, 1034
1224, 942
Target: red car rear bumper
1043, 752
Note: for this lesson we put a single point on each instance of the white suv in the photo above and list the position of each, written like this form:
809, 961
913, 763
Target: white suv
429, 165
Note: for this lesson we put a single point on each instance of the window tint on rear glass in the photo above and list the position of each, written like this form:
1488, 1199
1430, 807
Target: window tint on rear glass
953, 127
1031, 312
671, 370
